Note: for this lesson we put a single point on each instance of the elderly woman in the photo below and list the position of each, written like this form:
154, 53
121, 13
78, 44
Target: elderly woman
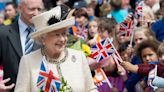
54, 67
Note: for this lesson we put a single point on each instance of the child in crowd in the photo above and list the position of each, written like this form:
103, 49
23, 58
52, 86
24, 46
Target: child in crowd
118, 11
106, 29
80, 29
148, 52
124, 52
140, 34
160, 52
93, 36
147, 17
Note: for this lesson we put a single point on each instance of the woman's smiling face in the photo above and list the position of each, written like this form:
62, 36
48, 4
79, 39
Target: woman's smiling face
56, 41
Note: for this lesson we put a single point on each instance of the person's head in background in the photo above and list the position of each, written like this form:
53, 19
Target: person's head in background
160, 53
151, 3
81, 17
158, 15
123, 49
147, 16
116, 4
28, 9
10, 10
126, 4
142, 33
92, 28
106, 27
105, 8
161, 3
147, 51
93, 36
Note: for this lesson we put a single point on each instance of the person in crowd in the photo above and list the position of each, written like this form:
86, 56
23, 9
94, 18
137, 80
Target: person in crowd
158, 81
10, 13
93, 36
118, 12
105, 8
80, 29
147, 51
14, 40
160, 53
140, 34
147, 17
106, 28
158, 27
153, 4
67, 66
124, 51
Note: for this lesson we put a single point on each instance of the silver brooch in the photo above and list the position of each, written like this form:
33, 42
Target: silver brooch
73, 58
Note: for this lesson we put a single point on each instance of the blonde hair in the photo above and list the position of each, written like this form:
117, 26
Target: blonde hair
147, 32
160, 50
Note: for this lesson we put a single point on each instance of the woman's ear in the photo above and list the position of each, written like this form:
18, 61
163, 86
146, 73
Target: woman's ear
41, 39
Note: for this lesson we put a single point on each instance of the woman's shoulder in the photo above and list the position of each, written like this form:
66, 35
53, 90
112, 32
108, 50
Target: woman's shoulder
32, 59
33, 56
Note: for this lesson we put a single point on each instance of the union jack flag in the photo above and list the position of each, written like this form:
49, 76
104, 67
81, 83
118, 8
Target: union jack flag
99, 78
82, 33
151, 76
125, 28
139, 9
101, 50
47, 82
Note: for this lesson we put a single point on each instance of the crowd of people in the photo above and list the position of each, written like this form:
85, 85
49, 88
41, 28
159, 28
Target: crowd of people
49, 45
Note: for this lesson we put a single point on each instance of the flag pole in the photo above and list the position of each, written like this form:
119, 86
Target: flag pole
110, 40
132, 30
108, 82
132, 36
123, 72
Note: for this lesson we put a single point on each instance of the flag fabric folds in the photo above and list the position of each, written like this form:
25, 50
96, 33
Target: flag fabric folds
99, 78
151, 76
139, 9
126, 27
47, 82
101, 50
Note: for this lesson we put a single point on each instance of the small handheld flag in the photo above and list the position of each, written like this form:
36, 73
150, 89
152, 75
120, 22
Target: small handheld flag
101, 50
100, 78
47, 82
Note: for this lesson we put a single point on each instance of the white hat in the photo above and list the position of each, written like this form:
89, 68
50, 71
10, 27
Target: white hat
52, 20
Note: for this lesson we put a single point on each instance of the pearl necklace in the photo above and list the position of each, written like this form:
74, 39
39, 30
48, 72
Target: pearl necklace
55, 61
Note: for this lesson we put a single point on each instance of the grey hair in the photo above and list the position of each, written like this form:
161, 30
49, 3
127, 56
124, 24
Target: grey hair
22, 1
39, 39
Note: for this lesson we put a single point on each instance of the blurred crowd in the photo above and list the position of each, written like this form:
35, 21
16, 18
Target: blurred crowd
137, 30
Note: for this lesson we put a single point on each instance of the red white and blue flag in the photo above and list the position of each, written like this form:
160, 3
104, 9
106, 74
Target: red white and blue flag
47, 82
151, 76
139, 9
99, 78
101, 50
126, 27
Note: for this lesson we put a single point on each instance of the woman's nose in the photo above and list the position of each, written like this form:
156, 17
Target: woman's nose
61, 37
